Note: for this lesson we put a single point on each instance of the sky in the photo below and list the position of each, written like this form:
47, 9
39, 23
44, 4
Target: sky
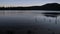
6, 3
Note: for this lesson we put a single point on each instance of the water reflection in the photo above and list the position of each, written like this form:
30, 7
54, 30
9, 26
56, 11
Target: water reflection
21, 22
53, 15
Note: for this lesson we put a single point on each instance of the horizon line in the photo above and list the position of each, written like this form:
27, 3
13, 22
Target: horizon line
23, 5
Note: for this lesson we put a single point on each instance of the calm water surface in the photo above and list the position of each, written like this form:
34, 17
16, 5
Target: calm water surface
33, 18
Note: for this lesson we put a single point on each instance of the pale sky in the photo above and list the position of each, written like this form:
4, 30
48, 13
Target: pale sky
26, 2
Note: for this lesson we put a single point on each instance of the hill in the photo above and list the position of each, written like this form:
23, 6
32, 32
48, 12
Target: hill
48, 6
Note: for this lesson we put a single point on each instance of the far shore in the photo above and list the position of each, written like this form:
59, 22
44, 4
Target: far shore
48, 6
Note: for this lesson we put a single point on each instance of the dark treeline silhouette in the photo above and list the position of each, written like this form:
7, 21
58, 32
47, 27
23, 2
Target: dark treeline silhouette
49, 6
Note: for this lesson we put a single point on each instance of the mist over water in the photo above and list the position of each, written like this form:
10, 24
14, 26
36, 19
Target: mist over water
30, 20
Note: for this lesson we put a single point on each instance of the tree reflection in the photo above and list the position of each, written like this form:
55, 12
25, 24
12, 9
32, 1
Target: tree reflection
52, 14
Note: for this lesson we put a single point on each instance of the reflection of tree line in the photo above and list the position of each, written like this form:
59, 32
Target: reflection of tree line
46, 20
2, 13
49, 6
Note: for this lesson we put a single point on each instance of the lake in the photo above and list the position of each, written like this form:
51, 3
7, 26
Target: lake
28, 21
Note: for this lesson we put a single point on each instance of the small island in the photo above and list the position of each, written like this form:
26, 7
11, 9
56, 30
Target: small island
48, 6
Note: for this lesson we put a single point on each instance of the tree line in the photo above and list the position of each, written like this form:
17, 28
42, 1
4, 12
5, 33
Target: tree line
48, 6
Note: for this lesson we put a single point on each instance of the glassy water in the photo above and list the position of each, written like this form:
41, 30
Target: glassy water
26, 21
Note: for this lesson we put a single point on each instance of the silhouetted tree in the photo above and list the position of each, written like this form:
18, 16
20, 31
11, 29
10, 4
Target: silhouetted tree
48, 6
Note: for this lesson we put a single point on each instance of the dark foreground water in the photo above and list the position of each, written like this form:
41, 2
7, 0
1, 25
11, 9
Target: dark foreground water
28, 22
